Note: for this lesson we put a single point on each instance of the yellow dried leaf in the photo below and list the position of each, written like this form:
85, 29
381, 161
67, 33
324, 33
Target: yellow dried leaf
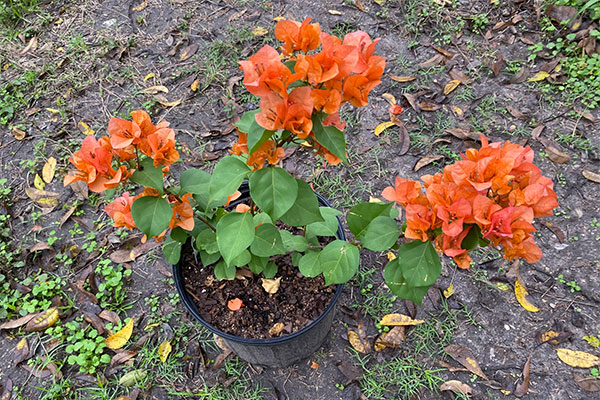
334, 12
18, 133
402, 78
170, 103
43, 320
399, 319
259, 31
380, 2
456, 110
450, 86
150, 327
540, 76
502, 286
522, 297
374, 200
195, 85
49, 169
382, 127
38, 182
389, 98
119, 339
276, 329
394, 338
592, 341
391, 256
58, 21
355, 341
48, 202
449, 292
164, 350
155, 89
548, 335
271, 285
150, 75
577, 359
278, 18
52, 110
85, 129
143, 5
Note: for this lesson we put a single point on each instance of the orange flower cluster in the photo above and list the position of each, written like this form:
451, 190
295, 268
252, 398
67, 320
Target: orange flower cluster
127, 138
496, 188
343, 71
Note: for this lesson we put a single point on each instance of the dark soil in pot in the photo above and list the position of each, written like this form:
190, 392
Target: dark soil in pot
297, 303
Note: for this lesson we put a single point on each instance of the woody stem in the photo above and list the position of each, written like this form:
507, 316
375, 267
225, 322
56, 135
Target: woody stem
206, 222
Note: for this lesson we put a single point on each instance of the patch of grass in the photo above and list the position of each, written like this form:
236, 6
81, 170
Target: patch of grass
14, 11
376, 300
16, 94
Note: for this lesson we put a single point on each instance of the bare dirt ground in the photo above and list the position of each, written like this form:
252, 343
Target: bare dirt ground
72, 62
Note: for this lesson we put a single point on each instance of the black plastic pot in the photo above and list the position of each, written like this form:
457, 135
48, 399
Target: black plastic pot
272, 352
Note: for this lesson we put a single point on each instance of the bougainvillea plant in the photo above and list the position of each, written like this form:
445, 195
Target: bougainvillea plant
301, 88
488, 198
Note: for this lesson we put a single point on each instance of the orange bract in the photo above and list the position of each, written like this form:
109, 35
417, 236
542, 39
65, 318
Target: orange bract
120, 211
496, 188
235, 304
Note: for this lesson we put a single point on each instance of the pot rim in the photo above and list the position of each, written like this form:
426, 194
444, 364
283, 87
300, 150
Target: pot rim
191, 306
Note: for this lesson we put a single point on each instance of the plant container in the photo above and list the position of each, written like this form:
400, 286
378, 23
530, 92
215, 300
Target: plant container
271, 352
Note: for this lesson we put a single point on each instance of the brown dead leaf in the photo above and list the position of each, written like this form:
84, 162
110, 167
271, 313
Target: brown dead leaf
444, 52
168, 104
498, 65
520, 76
271, 286
587, 383
122, 357
452, 368
39, 246
592, 176
549, 66
38, 372
457, 387
523, 387
188, 51
463, 134
16, 323
155, 89
394, 338
402, 79
42, 320
465, 358
412, 100
429, 106
438, 59
20, 352
32, 45
110, 316
142, 5
560, 235
516, 113
37, 195
585, 114
18, 134
404, 133
564, 13
7, 386
350, 371
455, 74
276, 329
537, 131
557, 155
450, 86
237, 14
124, 256
424, 161
221, 358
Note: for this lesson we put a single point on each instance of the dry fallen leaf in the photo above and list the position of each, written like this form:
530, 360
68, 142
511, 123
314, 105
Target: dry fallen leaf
195, 85
235, 304
394, 338
21, 352
556, 155
188, 51
460, 76
382, 127
168, 104
132, 377
449, 292
49, 169
155, 89
17, 322
356, 342
271, 285
399, 319
38, 182
43, 320
553, 337
450, 86
85, 129
18, 133
523, 297
540, 76
150, 75
276, 329
523, 387
577, 359
164, 350
587, 383
237, 14
537, 131
389, 98
120, 338
424, 161
429, 106
592, 176
32, 45
143, 5
259, 31
465, 358
334, 12
402, 78
456, 386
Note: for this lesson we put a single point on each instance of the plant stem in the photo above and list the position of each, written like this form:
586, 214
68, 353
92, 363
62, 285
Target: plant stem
206, 222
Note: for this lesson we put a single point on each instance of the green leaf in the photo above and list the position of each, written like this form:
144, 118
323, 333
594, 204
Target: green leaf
398, 285
209, 259
179, 234
262, 218
226, 179
148, 175
257, 135
296, 258
270, 270
267, 241
257, 139
242, 259
224, 271
472, 239
257, 264
293, 242
235, 232
207, 241
381, 234
171, 250
274, 190
309, 264
419, 263
361, 215
330, 137
195, 181
151, 214
339, 261
305, 209
328, 227
247, 120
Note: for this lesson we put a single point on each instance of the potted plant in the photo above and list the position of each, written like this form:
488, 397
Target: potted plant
249, 225
488, 198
